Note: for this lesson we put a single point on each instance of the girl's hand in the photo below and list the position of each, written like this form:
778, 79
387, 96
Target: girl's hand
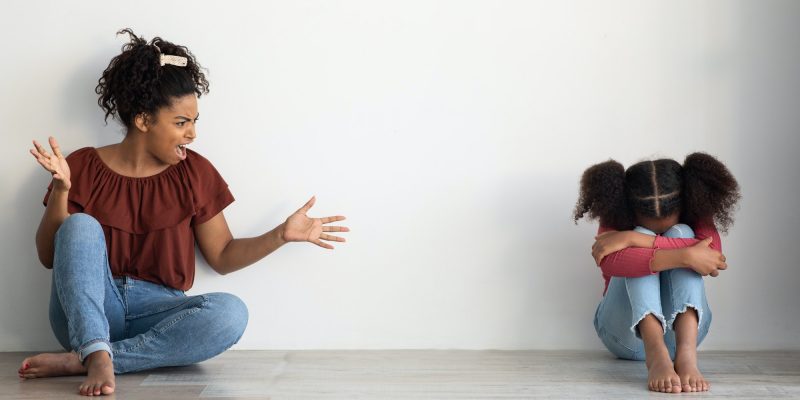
607, 243
54, 163
705, 260
300, 228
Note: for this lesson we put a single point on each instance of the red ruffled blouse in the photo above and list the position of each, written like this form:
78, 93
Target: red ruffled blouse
148, 222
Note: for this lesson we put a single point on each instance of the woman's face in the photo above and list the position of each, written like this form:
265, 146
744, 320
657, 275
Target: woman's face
172, 130
657, 225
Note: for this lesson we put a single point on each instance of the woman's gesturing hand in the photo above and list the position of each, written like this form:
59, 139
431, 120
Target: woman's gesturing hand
54, 163
300, 228
705, 260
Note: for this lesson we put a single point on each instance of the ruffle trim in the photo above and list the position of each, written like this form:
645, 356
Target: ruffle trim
139, 205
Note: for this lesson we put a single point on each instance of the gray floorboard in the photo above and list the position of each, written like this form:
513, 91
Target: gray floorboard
423, 374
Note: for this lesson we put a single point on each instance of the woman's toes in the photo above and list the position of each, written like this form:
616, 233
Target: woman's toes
86, 390
106, 389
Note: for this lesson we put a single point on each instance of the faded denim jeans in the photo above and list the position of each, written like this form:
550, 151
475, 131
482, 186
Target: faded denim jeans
142, 325
665, 295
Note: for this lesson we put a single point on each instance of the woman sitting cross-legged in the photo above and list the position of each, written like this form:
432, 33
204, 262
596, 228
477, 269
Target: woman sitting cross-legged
121, 223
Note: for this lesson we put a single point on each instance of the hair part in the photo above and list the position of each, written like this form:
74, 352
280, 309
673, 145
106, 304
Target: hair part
135, 82
654, 187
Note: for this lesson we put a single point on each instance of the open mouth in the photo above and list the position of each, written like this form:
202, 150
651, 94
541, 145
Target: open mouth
181, 151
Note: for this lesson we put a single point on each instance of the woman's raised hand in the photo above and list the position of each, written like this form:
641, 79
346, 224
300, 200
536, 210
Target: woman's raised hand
54, 163
705, 260
300, 228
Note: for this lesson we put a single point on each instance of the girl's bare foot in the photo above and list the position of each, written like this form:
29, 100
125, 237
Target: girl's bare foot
691, 378
100, 375
686, 352
661, 376
51, 364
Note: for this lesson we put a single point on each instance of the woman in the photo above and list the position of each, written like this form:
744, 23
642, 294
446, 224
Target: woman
656, 241
121, 223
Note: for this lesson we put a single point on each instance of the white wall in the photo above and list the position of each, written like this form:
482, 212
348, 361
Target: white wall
452, 134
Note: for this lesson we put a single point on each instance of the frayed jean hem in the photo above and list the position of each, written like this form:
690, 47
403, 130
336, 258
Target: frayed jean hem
659, 317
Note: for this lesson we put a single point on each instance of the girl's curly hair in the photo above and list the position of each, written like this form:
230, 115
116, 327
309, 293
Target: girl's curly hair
135, 82
702, 188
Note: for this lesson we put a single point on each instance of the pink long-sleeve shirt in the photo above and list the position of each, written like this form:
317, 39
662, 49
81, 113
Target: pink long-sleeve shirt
634, 262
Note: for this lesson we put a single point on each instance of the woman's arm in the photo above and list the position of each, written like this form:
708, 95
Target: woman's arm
56, 211
226, 254
54, 215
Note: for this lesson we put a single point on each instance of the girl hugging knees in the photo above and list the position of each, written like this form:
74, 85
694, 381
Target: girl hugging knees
658, 238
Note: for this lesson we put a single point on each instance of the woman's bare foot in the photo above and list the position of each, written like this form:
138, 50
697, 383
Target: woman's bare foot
691, 378
661, 376
100, 375
51, 364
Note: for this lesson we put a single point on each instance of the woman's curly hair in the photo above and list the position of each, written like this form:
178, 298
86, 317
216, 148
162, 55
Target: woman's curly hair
700, 189
135, 82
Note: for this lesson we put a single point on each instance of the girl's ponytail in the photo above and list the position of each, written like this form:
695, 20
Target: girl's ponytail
603, 196
710, 192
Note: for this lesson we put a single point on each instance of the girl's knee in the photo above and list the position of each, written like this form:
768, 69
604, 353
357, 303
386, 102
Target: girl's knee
685, 278
682, 231
642, 285
644, 230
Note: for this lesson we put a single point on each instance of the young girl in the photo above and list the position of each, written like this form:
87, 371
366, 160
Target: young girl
656, 241
121, 223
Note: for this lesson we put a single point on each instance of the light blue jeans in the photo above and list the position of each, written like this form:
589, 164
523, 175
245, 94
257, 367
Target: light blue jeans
142, 325
665, 295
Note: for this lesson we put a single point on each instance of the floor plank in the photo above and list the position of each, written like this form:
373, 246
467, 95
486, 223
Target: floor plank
423, 374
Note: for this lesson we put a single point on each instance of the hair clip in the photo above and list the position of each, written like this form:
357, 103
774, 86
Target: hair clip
173, 60
169, 59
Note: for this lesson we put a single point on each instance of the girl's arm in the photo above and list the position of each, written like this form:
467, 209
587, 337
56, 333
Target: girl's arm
633, 254
701, 257
56, 211
609, 241
226, 254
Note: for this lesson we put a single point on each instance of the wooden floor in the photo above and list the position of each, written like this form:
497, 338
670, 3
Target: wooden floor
423, 374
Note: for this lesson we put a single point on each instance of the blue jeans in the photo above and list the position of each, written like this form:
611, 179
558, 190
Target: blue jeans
142, 325
666, 294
